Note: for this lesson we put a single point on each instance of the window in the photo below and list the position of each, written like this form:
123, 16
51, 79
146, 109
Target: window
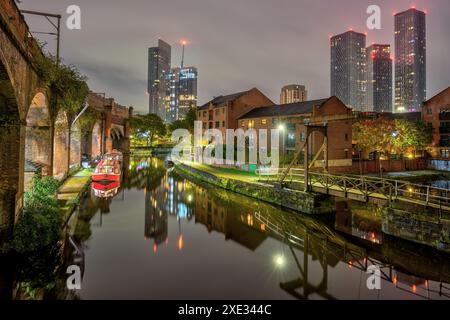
274, 121
217, 112
204, 125
290, 140
217, 124
429, 111
223, 124
346, 137
291, 126
204, 113
243, 124
302, 137
210, 125
251, 124
264, 121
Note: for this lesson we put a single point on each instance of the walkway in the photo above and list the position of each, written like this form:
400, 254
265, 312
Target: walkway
73, 187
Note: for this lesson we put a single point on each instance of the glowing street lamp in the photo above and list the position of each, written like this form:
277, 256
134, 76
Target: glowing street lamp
279, 261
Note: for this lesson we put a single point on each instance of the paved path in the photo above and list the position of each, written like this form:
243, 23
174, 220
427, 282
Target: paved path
73, 186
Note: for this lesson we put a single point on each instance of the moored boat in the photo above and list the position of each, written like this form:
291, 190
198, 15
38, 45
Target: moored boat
109, 168
105, 189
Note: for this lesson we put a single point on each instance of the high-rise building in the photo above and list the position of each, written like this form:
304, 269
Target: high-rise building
183, 92
410, 60
379, 78
158, 71
293, 93
348, 69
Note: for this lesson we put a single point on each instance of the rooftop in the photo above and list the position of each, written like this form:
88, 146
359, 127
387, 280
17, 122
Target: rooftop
284, 109
223, 99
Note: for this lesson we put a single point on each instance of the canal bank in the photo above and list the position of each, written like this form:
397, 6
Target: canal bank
427, 227
72, 191
306, 202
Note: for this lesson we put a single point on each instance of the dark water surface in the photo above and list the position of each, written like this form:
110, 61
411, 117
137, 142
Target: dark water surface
164, 237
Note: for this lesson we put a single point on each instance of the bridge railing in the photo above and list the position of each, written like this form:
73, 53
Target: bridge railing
387, 189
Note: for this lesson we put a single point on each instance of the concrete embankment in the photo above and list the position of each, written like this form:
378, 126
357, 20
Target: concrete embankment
305, 202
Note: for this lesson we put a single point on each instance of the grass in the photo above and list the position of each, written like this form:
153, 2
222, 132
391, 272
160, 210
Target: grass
230, 173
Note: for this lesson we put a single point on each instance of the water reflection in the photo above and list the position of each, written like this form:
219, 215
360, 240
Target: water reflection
209, 243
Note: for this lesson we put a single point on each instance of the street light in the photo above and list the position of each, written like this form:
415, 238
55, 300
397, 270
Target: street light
279, 260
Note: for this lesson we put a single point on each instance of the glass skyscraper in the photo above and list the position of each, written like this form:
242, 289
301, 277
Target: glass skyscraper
183, 92
348, 69
379, 78
158, 70
410, 60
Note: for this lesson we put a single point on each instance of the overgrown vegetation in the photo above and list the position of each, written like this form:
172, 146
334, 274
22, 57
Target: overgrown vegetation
65, 81
40, 224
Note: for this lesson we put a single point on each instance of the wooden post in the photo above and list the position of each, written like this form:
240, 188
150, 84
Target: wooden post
306, 155
325, 151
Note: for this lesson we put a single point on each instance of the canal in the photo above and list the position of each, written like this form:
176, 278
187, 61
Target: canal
161, 236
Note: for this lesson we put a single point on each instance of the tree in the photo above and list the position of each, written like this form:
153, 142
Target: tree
411, 135
186, 123
374, 135
148, 127
191, 116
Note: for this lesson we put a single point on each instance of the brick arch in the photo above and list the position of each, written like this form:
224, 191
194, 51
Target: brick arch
10, 155
75, 145
61, 145
96, 139
38, 137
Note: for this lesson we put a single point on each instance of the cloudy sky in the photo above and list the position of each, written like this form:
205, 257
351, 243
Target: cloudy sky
235, 44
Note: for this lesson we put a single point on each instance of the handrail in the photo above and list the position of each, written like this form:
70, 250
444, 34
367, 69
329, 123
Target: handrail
390, 188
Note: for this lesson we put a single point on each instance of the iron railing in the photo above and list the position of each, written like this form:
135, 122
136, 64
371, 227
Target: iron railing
362, 186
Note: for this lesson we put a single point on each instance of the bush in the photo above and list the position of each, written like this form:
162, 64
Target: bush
40, 224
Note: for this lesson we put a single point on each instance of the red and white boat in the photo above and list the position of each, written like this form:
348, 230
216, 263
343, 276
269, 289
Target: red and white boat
107, 189
109, 168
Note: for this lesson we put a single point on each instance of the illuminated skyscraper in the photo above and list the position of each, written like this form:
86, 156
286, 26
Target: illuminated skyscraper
379, 78
183, 92
293, 93
410, 60
348, 69
158, 70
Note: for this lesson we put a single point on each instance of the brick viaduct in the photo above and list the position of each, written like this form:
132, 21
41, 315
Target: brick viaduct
33, 130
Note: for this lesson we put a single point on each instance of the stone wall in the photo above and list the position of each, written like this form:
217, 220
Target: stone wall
305, 202
424, 229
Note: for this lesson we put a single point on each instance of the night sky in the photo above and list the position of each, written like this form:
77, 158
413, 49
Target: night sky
235, 44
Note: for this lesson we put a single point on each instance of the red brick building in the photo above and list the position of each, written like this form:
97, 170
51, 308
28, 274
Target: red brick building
293, 117
223, 112
437, 112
